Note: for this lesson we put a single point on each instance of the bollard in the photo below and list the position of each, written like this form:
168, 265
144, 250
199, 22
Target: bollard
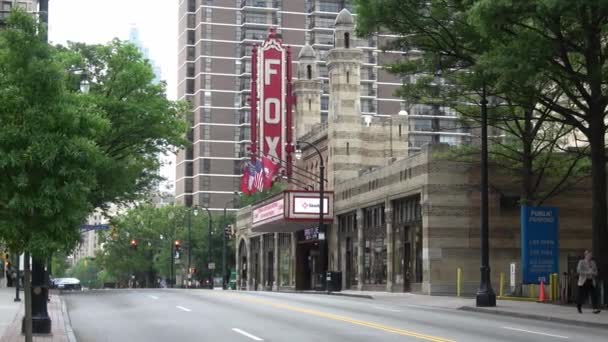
501, 291
458, 281
550, 287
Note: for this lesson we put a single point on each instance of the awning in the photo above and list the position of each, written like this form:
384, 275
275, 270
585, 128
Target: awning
291, 211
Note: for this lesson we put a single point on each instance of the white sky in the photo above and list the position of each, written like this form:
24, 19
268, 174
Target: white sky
99, 21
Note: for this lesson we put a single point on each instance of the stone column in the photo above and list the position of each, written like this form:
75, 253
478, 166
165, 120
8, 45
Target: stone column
275, 285
262, 263
390, 247
249, 283
360, 250
294, 263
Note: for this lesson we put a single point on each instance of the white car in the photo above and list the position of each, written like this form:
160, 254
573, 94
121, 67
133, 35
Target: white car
67, 283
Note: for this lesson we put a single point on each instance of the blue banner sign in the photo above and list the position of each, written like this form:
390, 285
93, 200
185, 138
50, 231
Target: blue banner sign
539, 243
87, 227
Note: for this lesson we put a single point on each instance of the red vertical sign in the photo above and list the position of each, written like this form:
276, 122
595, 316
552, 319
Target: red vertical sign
272, 110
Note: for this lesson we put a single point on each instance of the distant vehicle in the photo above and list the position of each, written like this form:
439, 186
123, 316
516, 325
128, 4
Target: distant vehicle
67, 284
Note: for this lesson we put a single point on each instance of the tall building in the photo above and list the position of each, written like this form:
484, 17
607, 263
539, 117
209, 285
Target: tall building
135, 39
214, 72
7, 5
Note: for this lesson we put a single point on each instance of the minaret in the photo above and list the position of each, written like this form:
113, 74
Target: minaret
307, 90
345, 122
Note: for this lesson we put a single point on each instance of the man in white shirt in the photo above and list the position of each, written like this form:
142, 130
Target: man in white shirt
587, 272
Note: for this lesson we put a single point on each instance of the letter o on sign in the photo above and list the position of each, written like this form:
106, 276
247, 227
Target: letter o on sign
272, 116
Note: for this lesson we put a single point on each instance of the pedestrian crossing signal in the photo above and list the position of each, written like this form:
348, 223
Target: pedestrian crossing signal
134, 244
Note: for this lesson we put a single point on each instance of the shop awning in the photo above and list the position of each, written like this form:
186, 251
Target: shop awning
291, 211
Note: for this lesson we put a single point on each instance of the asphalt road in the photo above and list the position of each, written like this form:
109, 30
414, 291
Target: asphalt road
202, 315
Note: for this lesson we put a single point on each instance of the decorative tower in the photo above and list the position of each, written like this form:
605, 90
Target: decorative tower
307, 91
344, 119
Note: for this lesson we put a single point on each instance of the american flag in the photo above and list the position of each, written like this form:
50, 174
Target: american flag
258, 179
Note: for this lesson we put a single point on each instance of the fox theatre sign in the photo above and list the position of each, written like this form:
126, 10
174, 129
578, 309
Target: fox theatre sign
271, 110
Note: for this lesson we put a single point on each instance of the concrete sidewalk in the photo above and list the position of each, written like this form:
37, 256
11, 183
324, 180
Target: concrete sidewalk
8, 307
11, 321
539, 311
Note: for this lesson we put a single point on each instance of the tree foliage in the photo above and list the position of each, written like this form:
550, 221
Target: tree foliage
446, 61
565, 43
155, 231
48, 150
143, 122
63, 153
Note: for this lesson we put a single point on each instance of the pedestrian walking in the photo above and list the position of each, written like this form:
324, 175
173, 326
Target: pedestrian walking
587, 272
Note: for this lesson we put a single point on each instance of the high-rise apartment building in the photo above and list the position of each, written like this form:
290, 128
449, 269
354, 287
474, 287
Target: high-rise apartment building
7, 5
214, 73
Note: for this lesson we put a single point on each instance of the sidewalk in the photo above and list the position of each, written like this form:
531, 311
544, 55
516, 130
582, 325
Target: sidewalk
12, 331
8, 308
521, 309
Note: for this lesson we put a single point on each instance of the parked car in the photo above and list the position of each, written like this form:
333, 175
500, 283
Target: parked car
67, 284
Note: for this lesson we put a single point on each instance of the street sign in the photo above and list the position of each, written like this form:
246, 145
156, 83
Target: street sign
211, 265
539, 243
87, 227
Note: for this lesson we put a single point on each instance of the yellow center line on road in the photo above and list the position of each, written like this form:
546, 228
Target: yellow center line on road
344, 319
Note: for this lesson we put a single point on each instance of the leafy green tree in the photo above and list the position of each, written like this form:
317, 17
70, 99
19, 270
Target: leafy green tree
143, 123
86, 270
445, 59
59, 264
155, 231
565, 43
48, 151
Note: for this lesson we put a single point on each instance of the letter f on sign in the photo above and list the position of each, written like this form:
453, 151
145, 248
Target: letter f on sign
268, 70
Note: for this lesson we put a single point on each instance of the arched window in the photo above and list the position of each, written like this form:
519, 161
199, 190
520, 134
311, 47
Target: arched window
309, 104
347, 148
348, 77
347, 40
309, 72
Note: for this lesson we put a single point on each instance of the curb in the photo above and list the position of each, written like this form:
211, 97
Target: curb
338, 294
535, 317
68, 323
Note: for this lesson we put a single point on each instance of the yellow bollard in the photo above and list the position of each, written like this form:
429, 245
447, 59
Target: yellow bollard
501, 291
458, 281
550, 287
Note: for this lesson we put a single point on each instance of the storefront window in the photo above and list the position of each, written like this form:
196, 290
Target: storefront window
285, 259
407, 216
374, 232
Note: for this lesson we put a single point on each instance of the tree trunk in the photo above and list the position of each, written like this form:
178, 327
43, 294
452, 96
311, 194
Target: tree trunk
598, 197
526, 196
27, 293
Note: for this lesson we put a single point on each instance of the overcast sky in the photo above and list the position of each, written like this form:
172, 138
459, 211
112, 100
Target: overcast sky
99, 21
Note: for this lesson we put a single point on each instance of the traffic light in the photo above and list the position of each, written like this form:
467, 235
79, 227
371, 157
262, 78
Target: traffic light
134, 244
177, 245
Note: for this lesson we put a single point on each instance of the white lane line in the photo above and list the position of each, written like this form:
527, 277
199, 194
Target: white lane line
386, 309
244, 333
535, 332
153, 297
183, 308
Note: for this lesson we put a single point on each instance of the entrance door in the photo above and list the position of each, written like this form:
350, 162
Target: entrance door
406, 261
349, 263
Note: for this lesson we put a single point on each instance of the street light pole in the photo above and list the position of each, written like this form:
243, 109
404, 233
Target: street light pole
224, 244
322, 233
485, 295
210, 228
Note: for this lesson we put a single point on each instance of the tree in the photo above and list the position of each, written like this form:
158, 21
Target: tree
449, 70
564, 42
144, 124
155, 230
86, 270
48, 150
